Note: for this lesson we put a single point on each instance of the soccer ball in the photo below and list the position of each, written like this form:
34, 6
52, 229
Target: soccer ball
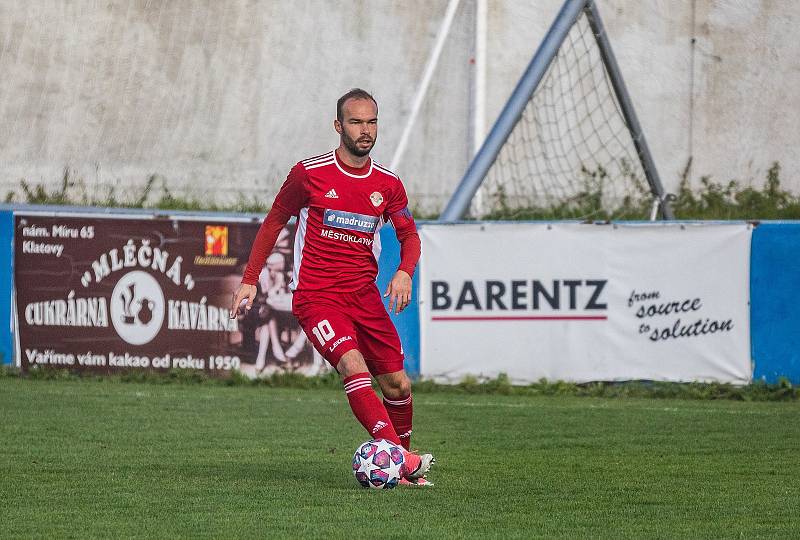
377, 464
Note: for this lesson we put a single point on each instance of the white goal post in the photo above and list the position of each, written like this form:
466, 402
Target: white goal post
568, 132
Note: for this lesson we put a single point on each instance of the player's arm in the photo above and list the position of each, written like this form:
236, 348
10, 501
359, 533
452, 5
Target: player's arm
290, 199
399, 289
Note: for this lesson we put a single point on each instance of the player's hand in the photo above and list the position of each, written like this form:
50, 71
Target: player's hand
399, 291
245, 291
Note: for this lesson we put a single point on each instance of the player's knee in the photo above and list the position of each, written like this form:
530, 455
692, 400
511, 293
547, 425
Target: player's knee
404, 386
351, 363
397, 386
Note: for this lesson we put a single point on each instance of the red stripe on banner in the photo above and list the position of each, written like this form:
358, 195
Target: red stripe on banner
531, 318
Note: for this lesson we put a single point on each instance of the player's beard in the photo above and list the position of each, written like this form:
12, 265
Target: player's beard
352, 146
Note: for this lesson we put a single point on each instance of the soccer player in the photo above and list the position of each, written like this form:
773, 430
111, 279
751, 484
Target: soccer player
341, 199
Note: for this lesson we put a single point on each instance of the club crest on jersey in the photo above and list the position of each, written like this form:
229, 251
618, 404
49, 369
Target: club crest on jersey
350, 221
376, 198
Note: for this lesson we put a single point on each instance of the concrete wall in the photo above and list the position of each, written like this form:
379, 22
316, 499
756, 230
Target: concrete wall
218, 99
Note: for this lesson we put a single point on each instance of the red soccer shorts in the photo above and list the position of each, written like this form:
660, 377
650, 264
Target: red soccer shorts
340, 322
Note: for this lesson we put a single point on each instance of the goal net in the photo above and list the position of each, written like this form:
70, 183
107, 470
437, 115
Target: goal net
571, 154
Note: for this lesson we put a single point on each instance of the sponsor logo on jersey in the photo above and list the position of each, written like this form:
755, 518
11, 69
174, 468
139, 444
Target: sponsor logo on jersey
331, 194
376, 198
346, 237
339, 342
350, 221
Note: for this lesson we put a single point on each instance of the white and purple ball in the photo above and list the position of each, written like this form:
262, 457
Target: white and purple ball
377, 464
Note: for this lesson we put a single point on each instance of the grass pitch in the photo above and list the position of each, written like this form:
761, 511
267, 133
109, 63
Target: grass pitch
110, 459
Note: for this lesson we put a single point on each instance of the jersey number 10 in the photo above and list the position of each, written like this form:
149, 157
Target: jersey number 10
323, 331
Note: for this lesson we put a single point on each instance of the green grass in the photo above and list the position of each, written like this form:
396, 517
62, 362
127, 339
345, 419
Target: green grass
782, 390
104, 458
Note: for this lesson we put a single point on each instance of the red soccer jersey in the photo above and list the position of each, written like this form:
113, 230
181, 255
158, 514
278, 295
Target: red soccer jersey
340, 211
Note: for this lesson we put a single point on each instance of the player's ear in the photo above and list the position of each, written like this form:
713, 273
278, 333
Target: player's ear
337, 126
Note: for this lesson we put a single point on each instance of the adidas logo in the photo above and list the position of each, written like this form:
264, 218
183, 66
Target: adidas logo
331, 194
379, 426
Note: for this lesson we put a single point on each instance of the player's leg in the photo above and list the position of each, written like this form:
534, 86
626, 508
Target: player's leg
396, 390
362, 398
379, 342
334, 336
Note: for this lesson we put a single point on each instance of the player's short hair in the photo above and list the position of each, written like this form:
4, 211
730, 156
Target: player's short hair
355, 93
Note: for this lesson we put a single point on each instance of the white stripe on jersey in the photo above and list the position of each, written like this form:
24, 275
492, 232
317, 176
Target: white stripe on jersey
387, 171
317, 156
299, 243
321, 157
369, 172
316, 165
376, 241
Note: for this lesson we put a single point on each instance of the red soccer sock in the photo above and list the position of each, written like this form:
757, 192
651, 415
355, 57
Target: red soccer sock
368, 408
401, 411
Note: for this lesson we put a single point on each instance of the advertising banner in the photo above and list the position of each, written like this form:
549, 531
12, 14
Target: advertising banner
581, 303
110, 294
